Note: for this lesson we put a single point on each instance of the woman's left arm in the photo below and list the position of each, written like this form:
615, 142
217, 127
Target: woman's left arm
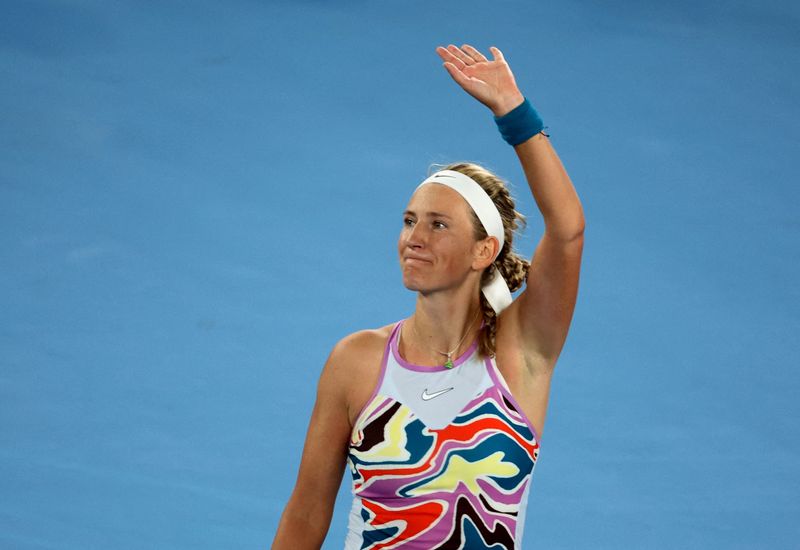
544, 310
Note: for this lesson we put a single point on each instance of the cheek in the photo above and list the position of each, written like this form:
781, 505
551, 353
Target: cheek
459, 252
401, 242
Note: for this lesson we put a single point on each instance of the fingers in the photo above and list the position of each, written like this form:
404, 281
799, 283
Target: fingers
456, 73
466, 54
477, 56
448, 57
456, 52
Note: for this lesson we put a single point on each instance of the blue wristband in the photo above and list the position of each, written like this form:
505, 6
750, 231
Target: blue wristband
520, 124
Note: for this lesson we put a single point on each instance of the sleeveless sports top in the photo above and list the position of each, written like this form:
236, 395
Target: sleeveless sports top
440, 458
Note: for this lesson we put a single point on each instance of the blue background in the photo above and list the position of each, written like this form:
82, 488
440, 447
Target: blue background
198, 199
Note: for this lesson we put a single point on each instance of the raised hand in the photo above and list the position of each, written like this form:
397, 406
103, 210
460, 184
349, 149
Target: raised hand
489, 81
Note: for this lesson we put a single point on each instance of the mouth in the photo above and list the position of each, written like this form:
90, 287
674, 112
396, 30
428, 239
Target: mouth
416, 259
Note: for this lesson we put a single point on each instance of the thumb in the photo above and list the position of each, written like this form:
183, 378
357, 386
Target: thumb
497, 54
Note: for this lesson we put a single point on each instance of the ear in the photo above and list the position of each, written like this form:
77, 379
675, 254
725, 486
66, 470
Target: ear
484, 252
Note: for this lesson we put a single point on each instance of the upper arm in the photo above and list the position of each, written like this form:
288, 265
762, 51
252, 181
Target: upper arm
544, 309
324, 453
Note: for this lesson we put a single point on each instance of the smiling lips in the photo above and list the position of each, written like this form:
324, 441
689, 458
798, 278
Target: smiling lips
416, 258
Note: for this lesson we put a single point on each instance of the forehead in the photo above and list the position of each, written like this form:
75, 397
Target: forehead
433, 197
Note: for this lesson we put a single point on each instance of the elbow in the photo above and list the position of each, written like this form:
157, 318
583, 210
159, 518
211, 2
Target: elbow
303, 524
578, 230
577, 224
297, 530
569, 233
568, 226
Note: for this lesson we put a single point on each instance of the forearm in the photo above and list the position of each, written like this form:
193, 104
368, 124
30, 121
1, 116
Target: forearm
300, 531
551, 187
493, 84
548, 180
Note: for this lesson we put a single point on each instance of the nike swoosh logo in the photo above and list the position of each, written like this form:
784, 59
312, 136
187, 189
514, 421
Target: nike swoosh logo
428, 396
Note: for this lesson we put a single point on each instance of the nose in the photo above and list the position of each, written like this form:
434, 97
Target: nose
416, 236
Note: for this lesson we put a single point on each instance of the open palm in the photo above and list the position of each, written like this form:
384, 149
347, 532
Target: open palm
489, 81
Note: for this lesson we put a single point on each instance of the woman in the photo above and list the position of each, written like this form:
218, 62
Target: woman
438, 417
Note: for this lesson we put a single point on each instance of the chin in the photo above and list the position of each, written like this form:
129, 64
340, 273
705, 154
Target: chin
413, 281
415, 285
411, 284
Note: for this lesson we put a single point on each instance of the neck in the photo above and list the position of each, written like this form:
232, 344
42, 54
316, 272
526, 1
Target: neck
443, 322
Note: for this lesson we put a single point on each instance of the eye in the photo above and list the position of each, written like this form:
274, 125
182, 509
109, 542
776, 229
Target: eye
408, 221
439, 225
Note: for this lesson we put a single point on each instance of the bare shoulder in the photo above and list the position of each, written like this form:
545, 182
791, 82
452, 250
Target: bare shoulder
354, 366
349, 375
353, 347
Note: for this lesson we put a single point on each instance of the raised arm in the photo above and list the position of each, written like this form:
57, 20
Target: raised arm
541, 315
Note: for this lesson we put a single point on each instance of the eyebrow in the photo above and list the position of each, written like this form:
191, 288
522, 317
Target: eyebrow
430, 214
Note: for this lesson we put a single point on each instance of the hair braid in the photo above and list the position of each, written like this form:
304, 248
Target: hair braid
511, 265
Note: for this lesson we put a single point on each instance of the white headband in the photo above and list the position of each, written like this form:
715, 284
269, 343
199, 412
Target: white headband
496, 291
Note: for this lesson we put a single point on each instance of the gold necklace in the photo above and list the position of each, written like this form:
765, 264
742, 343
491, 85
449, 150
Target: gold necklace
449, 354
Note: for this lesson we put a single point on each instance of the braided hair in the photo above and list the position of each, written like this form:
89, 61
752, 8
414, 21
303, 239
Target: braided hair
511, 265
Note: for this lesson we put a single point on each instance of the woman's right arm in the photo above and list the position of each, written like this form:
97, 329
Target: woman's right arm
306, 518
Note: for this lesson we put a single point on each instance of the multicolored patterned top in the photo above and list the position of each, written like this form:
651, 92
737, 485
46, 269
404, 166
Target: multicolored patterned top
440, 458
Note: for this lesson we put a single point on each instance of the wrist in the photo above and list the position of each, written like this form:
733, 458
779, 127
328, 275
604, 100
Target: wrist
519, 124
507, 104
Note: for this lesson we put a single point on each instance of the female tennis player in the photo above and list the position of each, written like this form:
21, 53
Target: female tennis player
438, 417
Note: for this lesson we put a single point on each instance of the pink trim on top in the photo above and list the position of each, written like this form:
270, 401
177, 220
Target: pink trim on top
384, 362
495, 374
421, 368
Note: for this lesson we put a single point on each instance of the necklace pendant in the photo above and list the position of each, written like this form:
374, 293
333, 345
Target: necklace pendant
449, 363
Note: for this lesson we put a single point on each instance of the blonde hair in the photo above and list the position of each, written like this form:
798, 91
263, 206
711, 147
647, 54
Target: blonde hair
512, 266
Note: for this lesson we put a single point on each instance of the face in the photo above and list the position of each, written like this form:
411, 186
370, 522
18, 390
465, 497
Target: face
437, 246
